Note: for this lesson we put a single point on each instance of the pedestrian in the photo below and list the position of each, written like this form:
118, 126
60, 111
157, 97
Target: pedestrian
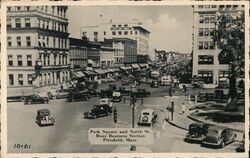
183, 107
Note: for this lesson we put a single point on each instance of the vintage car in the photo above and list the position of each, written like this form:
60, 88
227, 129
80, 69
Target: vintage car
43, 118
36, 99
98, 111
106, 93
197, 131
165, 80
105, 101
58, 94
204, 96
154, 84
147, 118
112, 86
108, 80
124, 91
116, 97
218, 136
78, 96
142, 93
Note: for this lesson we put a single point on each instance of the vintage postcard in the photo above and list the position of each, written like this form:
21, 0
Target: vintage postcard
125, 79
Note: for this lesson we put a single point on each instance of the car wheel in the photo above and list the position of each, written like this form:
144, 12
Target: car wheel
23, 99
222, 145
46, 102
94, 116
54, 97
87, 98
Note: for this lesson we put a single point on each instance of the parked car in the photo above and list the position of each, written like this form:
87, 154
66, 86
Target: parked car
36, 99
93, 93
197, 131
116, 97
155, 74
125, 82
78, 96
106, 93
218, 136
108, 80
98, 111
43, 118
165, 80
112, 86
105, 101
154, 84
147, 118
142, 93
124, 91
58, 94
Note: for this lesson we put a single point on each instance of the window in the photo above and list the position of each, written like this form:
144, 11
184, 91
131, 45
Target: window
27, 8
125, 32
18, 8
205, 45
47, 25
136, 32
20, 79
47, 41
28, 43
211, 32
104, 33
200, 6
206, 32
119, 25
27, 22
9, 41
43, 24
223, 73
212, 18
211, 46
54, 42
131, 32
30, 79
125, 25
113, 33
53, 9
213, 6
18, 23
200, 45
95, 36
11, 79
8, 23
206, 59
19, 60
8, 8
201, 32
18, 40
207, 19
201, 18
119, 33
10, 60
207, 6
29, 60
206, 75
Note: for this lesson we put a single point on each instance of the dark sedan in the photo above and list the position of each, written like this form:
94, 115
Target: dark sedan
197, 131
98, 111
218, 136
36, 99
78, 96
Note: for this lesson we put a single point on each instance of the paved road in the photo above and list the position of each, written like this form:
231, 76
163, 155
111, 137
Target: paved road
69, 134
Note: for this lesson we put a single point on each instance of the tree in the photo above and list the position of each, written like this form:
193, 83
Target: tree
230, 39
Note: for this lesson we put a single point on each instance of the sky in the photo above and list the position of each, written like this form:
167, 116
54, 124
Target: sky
170, 26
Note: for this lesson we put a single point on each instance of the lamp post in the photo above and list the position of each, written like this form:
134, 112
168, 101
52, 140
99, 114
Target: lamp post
133, 100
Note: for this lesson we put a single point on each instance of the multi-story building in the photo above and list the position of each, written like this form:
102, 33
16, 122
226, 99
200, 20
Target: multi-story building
205, 52
78, 53
36, 34
93, 53
132, 30
107, 57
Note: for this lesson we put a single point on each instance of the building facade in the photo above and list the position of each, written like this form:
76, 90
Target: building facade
107, 57
205, 52
78, 53
36, 34
132, 30
93, 53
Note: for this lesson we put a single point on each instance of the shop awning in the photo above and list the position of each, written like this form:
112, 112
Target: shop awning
79, 74
99, 71
135, 66
123, 68
116, 70
129, 68
143, 65
90, 73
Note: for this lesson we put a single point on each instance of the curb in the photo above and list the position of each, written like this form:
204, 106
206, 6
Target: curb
198, 120
173, 124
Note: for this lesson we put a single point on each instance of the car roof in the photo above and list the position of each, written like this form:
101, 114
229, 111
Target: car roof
219, 128
104, 99
199, 123
43, 110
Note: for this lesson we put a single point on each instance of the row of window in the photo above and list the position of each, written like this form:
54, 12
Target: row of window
114, 33
206, 45
59, 11
78, 52
20, 79
206, 6
20, 60
82, 62
45, 24
19, 41
206, 31
207, 18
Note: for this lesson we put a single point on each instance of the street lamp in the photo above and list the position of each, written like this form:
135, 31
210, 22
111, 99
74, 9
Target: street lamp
133, 100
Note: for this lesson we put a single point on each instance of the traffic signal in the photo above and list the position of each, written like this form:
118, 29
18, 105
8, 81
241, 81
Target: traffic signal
115, 115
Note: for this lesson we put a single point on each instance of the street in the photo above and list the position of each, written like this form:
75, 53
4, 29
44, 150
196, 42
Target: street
70, 132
